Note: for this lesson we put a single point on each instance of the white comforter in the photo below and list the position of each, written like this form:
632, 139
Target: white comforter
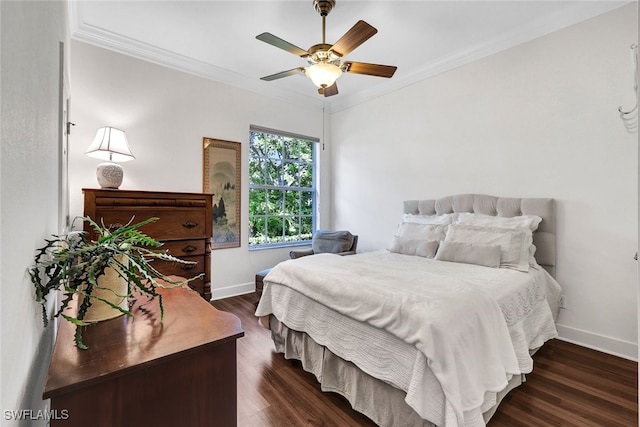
464, 322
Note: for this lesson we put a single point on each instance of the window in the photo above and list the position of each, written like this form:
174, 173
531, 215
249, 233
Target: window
282, 193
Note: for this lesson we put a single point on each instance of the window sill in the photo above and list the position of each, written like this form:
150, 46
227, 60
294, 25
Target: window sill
279, 245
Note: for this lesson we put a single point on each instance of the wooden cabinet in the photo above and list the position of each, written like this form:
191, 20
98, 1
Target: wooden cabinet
139, 371
185, 225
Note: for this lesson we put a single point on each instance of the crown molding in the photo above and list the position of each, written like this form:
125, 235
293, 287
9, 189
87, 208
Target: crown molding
473, 53
106, 39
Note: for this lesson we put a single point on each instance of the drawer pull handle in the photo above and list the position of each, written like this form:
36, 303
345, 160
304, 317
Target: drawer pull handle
115, 226
188, 266
190, 224
189, 248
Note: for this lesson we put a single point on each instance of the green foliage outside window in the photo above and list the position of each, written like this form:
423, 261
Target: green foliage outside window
281, 189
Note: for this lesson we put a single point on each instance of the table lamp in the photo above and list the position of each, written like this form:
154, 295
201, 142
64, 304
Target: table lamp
110, 144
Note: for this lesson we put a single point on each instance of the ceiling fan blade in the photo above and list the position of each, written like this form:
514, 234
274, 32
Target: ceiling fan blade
282, 74
358, 34
331, 90
282, 44
369, 69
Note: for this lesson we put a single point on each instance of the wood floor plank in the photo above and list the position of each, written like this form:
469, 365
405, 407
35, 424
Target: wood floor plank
596, 393
569, 386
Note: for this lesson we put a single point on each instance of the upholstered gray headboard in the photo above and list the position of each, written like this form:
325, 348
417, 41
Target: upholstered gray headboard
544, 238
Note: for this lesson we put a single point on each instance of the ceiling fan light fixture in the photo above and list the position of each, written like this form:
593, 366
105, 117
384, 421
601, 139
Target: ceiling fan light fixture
323, 74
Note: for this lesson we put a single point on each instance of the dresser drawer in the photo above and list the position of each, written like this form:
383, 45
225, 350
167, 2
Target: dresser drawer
173, 223
133, 202
184, 248
169, 268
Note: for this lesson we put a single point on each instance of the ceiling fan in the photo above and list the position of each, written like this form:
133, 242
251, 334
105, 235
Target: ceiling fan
325, 60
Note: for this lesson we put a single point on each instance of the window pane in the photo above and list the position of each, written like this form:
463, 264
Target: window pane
257, 200
292, 202
272, 171
294, 148
306, 151
273, 147
290, 174
306, 229
292, 228
257, 230
306, 175
255, 172
274, 228
257, 143
306, 202
276, 202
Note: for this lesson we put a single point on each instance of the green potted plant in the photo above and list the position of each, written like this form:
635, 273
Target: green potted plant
103, 274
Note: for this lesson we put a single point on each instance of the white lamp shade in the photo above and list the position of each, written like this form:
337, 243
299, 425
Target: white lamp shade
323, 74
110, 144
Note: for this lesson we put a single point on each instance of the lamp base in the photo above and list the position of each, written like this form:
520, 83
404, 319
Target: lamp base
109, 175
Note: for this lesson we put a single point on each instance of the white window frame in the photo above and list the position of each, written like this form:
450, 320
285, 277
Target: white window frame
299, 214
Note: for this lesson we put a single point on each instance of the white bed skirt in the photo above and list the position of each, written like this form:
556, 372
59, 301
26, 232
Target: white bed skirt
381, 402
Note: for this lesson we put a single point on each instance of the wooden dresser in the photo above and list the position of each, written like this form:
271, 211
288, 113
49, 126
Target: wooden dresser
141, 372
185, 225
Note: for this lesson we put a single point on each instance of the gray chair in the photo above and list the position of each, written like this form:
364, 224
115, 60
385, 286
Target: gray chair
335, 242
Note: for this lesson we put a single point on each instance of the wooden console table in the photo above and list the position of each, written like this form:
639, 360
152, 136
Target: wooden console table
140, 372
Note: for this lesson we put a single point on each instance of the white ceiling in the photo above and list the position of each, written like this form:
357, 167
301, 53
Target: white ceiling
216, 39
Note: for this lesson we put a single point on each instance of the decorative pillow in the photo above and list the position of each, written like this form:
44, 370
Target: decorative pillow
411, 230
443, 219
530, 222
331, 241
423, 248
469, 253
514, 244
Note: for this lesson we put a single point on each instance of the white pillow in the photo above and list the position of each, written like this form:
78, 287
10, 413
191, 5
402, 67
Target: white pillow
409, 230
429, 219
423, 248
514, 243
530, 222
468, 253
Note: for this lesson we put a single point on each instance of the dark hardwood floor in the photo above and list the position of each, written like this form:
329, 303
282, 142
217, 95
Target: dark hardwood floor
570, 386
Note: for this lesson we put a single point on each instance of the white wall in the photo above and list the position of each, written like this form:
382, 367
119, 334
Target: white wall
30, 37
165, 114
538, 120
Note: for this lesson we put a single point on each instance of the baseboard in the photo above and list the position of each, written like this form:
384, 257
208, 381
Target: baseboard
233, 290
613, 346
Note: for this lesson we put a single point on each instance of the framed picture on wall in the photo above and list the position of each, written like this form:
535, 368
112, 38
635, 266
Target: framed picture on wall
221, 177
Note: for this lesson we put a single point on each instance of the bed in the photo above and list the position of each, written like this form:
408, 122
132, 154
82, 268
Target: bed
434, 330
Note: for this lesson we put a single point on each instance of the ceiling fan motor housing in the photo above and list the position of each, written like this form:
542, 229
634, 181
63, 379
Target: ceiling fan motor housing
322, 53
323, 7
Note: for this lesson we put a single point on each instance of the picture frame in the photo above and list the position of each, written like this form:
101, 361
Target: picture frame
221, 178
